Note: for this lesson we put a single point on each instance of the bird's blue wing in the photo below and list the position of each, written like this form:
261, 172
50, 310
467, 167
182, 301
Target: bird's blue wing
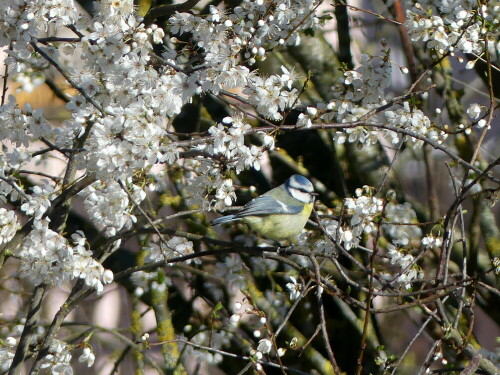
266, 205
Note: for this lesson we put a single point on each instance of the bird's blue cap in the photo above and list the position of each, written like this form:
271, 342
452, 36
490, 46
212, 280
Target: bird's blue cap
300, 183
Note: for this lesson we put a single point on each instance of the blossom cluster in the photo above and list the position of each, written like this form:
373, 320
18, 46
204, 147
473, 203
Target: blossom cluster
228, 140
57, 361
272, 95
413, 120
123, 97
399, 228
174, 247
123, 100
362, 211
9, 339
38, 201
227, 145
47, 257
124, 83
109, 206
204, 179
356, 93
445, 25
59, 358
22, 126
252, 26
364, 86
409, 272
24, 20
127, 130
257, 320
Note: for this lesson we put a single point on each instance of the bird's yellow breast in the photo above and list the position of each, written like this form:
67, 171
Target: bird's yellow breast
280, 227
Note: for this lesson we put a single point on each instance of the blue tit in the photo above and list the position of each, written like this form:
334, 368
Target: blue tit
279, 214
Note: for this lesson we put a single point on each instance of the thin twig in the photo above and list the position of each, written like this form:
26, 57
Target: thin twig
303, 293
5, 78
68, 78
229, 354
324, 330
369, 297
414, 338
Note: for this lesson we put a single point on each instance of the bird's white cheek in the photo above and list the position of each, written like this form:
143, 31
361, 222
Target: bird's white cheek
300, 195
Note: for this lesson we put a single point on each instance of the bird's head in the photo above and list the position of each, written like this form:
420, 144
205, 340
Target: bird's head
300, 188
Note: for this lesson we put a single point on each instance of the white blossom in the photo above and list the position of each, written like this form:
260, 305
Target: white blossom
87, 357
481, 123
180, 246
294, 288
225, 192
304, 121
415, 121
431, 241
474, 111
8, 225
59, 359
128, 86
264, 346
234, 319
24, 20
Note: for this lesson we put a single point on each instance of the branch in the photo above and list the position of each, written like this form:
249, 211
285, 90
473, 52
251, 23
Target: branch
5, 78
166, 10
29, 329
454, 339
68, 78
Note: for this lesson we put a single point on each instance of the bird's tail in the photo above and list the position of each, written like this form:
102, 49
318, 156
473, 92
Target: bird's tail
223, 220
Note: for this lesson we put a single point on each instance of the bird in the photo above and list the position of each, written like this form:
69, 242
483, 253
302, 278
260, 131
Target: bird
280, 213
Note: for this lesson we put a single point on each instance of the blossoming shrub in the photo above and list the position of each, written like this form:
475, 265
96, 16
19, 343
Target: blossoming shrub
175, 111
